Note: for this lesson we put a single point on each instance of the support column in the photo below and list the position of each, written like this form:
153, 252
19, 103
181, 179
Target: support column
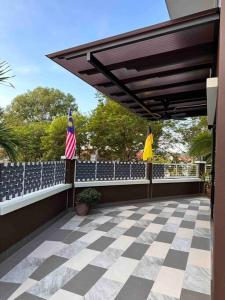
219, 205
69, 179
149, 177
201, 168
201, 174
70, 171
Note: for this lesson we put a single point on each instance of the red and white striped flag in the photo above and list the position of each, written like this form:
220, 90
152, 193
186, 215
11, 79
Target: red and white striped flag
70, 138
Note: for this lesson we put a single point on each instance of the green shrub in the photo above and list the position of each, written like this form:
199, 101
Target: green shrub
89, 196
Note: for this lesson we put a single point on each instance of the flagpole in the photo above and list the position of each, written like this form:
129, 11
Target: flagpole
70, 157
149, 172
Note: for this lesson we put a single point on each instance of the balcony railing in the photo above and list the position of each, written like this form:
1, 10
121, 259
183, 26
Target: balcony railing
18, 179
109, 170
181, 170
113, 170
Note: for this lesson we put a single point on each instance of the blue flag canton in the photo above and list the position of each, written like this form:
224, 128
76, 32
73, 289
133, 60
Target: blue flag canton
70, 127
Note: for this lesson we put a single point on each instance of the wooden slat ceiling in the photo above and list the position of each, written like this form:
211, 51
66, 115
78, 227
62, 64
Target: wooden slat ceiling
158, 72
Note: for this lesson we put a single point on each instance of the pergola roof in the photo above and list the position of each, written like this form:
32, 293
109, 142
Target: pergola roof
158, 71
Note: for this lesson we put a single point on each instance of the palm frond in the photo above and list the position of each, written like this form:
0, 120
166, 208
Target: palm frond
201, 145
4, 71
8, 141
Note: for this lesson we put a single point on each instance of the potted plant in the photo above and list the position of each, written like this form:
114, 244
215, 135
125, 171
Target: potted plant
207, 188
85, 200
207, 185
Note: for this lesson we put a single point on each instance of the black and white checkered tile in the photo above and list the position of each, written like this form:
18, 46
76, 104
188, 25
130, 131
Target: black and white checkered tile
149, 251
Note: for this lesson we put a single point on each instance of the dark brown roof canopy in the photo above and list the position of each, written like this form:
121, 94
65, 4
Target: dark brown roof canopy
158, 71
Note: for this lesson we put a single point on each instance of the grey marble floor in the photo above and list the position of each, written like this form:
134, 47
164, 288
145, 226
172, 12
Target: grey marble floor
148, 251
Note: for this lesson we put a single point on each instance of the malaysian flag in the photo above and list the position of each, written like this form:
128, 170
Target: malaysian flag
70, 138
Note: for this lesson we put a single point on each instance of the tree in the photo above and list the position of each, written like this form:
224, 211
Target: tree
177, 135
117, 133
41, 104
201, 145
53, 143
8, 141
30, 135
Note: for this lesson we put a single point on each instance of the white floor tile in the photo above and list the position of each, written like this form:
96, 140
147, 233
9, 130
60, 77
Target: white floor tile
47, 248
158, 249
150, 217
125, 213
103, 219
169, 282
174, 220
82, 259
202, 224
65, 295
121, 269
155, 228
185, 233
206, 208
127, 223
123, 242
92, 236
199, 258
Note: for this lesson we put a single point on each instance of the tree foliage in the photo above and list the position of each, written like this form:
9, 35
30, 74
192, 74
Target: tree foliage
30, 135
117, 133
39, 120
201, 145
41, 104
8, 141
177, 135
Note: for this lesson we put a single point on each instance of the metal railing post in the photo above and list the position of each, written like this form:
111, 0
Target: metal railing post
96, 166
41, 175
24, 165
114, 170
54, 171
130, 169
75, 171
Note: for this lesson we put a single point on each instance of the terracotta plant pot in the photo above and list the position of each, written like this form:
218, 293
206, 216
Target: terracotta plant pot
82, 209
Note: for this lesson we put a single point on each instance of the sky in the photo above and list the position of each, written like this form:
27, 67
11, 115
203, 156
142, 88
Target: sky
30, 29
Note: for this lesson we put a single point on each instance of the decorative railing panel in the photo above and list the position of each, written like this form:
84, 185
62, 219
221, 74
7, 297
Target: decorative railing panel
18, 179
105, 170
11, 180
158, 171
85, 170
48, 171
32, 177
122, 171
59, 172
109, 170
138, 170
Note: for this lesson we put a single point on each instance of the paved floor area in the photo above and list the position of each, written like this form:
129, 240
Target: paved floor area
157, 251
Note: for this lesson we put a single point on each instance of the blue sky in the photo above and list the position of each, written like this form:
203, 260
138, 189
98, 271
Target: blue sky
29, 29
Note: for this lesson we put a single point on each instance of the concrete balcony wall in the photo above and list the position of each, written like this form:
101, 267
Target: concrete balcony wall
19, 224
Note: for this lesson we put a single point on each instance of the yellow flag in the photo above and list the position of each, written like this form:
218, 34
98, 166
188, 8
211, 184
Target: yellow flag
148, 154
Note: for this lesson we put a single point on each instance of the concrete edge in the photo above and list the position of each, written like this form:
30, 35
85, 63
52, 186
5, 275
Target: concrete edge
22, 201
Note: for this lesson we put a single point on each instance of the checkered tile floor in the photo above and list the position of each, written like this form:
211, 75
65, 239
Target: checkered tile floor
153, 251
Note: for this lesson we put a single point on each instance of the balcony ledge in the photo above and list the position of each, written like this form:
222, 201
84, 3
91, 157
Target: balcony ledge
79, 184
22, 201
